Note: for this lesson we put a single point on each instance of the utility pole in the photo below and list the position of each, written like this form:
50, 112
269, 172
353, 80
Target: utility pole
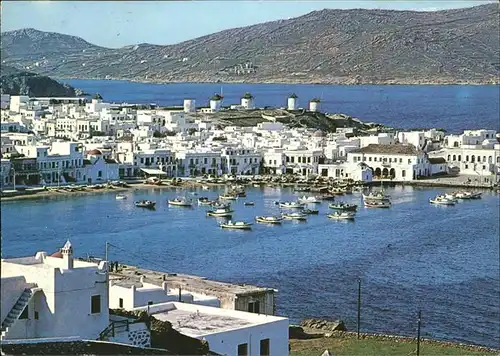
359, 306
419, 321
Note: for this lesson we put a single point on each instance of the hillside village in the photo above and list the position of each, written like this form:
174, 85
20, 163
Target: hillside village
53, 141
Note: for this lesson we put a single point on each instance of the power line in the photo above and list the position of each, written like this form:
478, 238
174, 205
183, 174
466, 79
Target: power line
136, 256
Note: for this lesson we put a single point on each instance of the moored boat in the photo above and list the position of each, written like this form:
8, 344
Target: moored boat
180, 201
249, 203
204, 201
239, 225
310, 211
221, 212
145, 204
377, 203
120, 197
442, 200
268, 219
343, 206
228, 197
309, 200
294, 216
378, 195
291, 205
345, 215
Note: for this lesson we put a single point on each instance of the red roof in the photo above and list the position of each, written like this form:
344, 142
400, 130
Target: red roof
94, 152
57, 254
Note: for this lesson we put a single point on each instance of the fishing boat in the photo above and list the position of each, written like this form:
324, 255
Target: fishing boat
269, 219
291, 205
302, 189
310, 211
377, 203
249, 203
228, 197
309, 200
145, 204
378, 195
328, 197
467, 195
205, 187
442, 200
337, 191
343, 206
120, 197
221, 212
239, 225
153, 181
204, 201
294, 216
220, 205
256, 185
345, 215
180, 201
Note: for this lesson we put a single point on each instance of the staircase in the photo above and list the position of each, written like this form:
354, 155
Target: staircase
16, 311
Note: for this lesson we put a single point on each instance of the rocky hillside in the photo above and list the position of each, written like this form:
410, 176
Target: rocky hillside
329, 46
15, 82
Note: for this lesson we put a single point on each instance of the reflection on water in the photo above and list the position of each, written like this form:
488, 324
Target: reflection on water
415, 255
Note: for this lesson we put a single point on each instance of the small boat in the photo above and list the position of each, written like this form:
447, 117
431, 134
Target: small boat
377, 203
294, 216
120, 197
221, 212
467, 195
239, 225
302, 189
249, 203
343, 206
228, 197
193, 193
180, 202
291, 205
268, 219
345, 215
204, 201
310, 211
256, 185
153, 181
337, 191
379, 195
145, 204
219, 205
205, 187
328, 197
309, 200
441, 200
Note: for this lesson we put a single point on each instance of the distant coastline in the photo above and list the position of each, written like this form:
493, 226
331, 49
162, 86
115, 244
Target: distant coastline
286, 82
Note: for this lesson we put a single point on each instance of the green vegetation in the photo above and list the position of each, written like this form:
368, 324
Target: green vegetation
374, 346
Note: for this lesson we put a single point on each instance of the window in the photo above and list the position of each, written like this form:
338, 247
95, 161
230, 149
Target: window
95, 307
120, 303
403, 173
24, 314
243, 350
36, 315
369, 159
150, 302
264, 347
99, 174
254, 307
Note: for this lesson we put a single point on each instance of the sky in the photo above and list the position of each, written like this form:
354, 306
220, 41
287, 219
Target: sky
121, 23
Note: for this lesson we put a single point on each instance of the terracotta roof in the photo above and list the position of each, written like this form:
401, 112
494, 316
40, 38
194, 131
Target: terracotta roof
396, 149
57, 254
437, 160
94, 152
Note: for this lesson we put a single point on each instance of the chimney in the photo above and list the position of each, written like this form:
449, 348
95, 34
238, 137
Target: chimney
67, 253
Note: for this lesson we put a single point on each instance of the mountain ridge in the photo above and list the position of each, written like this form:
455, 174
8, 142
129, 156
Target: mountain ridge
355, 46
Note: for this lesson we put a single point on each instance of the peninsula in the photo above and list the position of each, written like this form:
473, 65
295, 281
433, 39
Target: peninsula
355, 46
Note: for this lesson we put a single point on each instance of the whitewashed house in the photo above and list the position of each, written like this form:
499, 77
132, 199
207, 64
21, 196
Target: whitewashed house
53, 296
228, 332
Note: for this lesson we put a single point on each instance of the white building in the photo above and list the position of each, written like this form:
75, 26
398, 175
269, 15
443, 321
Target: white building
314, 105
247, 101
5, 101
302, 160
292, 102
53, 296
215, 102
228, 332
189, 105
399, 162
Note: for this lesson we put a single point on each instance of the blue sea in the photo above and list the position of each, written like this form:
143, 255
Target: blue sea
452, 107
443, 260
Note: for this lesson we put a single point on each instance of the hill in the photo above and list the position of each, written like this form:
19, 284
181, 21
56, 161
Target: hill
329, 46
15, 82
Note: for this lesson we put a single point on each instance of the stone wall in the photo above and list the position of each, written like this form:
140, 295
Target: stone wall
140, 338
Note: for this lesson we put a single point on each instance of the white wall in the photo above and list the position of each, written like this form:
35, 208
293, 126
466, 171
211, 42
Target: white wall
11, 290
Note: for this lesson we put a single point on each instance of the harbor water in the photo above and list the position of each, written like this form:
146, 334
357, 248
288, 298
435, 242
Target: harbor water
452, 107
443, 260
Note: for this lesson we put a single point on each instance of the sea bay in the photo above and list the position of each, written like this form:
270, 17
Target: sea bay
442, 260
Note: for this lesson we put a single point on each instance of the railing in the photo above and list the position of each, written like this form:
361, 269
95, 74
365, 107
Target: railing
112, 328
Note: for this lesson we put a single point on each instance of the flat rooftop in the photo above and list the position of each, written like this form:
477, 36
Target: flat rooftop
131, 275
197, 324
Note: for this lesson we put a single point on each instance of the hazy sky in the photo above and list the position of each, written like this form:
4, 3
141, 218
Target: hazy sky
116, 24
